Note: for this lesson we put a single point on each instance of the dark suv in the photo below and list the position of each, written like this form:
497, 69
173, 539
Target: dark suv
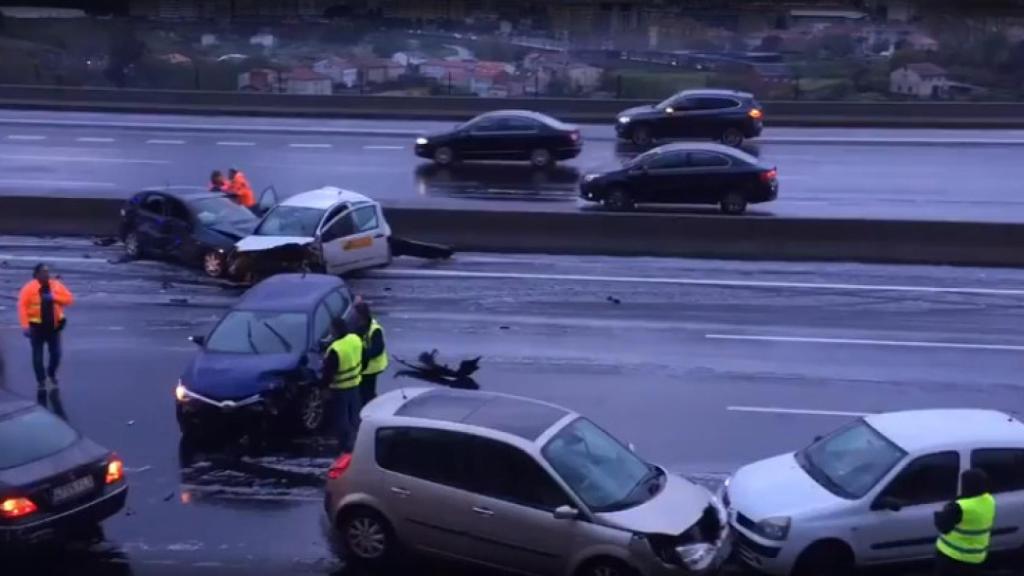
724, 115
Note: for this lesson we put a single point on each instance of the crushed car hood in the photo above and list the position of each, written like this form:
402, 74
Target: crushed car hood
674, 510
234, 230
236, 376
257, 243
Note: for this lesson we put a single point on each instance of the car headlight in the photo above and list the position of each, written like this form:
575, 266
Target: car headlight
590, 177
697, 557
776, 528
421, 141
181, 393
623, 119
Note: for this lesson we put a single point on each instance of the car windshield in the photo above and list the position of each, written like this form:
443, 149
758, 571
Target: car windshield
32, 435
667, 101
291, 221
602, 472
217, 211
850, 461
248, 332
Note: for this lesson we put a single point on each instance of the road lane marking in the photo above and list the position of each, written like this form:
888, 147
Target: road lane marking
81, 159
308, 145
94, 139
383, 147
25, 137
861, 342
235, 143
772, 410
75, 183
162, 141
410, 272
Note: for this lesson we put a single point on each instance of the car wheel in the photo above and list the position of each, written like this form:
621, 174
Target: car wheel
366, 537
312, 409
829, 557
640, 135
541, 158
444, 156
214, 263
619, 200
133, 245
732, 137
734, 203
606, 567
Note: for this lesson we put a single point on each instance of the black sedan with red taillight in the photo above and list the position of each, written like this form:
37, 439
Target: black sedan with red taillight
514, 135
54, 482
690, 173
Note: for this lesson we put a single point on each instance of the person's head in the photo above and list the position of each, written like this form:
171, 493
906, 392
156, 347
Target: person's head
974, 482
232, 172
216, 176
340, 328
41, 272
363, 309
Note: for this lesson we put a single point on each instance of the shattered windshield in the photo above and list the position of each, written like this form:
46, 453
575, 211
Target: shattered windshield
291, 221
247, 332
216, 211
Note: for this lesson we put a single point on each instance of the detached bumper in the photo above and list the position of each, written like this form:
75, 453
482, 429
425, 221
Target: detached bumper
35, 531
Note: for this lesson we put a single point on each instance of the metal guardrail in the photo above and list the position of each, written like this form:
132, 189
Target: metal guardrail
778, 113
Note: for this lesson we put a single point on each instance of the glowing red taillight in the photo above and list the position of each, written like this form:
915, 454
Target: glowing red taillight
339, 466
115, 470
12, 508
756, 114
769, 175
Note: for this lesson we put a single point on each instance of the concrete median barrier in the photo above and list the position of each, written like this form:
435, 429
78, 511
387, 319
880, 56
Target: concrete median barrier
668, 235
780, 113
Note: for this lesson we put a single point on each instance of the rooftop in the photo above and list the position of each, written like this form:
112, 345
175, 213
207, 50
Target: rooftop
926, 69
921, 430
324, 198
289, 292
522, 417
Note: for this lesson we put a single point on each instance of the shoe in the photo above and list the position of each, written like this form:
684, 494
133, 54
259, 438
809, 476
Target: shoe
52, 380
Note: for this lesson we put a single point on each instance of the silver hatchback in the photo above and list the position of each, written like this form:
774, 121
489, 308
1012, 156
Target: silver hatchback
514, 484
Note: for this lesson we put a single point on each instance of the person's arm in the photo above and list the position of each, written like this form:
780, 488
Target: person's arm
23, 297
330, 368
376, 347
947, 518
61, 295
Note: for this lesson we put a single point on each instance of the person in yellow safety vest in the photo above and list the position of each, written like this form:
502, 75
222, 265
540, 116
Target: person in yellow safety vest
965, 527
342, 372
375, 354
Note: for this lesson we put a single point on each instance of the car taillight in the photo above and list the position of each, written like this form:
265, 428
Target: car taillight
115, 470
16, 508
769, 175
339, 466
756, 114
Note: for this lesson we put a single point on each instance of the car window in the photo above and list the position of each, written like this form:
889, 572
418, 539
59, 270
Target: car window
32, 435
515, 124
507, 473
290, 221
927, 480
850, 461
1004, 467
217, 211
335, 212
433, 455
667, 161
322, 322
708, 160
249, 332
337, 303
713, 103
597, 467
344, 225
365, 218
177, 210
492, 124
154, 204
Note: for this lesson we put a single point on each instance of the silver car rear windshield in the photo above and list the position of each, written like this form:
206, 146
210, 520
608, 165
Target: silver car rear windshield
32, 435
850, 461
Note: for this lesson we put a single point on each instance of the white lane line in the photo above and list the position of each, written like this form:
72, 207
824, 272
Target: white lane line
137, 470
235, 143
94, 139
46, 258
398, 273
81, 159
886, 140
382, 147
771, 410
308, 145
162, 141
75, 183
860, 342
25, 137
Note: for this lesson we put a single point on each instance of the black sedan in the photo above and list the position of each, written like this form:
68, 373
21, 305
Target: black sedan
189, 225
685, 174
724, 115
504, 135
54, 483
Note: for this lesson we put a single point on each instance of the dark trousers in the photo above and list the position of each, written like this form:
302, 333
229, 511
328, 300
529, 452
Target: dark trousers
946, 566
51, 339
368, 388
347, 405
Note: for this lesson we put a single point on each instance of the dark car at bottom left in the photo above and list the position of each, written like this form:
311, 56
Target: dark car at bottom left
54, 482
190, 225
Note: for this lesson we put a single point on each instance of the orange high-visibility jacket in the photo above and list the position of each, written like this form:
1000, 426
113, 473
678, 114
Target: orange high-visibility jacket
30, 302
239, 186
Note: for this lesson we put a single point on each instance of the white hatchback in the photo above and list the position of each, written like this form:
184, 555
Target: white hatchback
866, 493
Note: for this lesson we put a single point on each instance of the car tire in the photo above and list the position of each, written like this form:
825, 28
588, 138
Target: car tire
215, 264
606, 567
641, 135
830, 557
133, 246
444, 156
311, 412
734, 204
732, 137
619, 201
541, 158
366, 537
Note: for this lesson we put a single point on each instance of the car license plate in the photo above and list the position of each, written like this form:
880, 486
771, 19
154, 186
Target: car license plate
73, 489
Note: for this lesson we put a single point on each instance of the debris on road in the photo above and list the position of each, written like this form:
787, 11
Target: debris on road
406, 247
614, 300
429, 370
104, 241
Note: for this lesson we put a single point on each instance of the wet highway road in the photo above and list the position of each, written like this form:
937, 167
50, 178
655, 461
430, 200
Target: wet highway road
862, 173
703, 365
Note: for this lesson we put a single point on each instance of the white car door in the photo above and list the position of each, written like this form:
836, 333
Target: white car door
355, 239
899, 523
1005, 470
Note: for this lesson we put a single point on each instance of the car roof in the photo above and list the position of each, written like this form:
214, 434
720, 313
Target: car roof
539, 116
185, 193
11, 403
514, 416
705, 147
928, 430
715, 92
289, 292
324, 198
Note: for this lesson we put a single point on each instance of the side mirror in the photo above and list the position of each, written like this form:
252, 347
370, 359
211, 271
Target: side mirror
565, 512
198, 339
888, 503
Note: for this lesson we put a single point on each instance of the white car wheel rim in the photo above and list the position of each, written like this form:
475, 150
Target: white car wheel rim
131, 244
313, 412
366, 538
212, 264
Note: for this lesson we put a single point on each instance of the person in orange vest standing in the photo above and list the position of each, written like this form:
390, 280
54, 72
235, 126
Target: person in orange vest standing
41, 304
239, 187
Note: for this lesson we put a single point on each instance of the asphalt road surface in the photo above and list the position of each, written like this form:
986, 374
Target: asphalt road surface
704, 366
859, 173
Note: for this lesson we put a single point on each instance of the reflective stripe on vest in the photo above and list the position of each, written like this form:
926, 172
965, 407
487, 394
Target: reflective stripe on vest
350, 362
378, 363
969, 540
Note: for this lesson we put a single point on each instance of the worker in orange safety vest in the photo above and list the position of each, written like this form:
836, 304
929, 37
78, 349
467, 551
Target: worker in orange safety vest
41, 304
239, 187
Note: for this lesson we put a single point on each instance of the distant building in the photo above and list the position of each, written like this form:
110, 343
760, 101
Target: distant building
306, 81
409, 59
260, 80
208, 40
264, 39
922, 80
28, 12
341, 71
921, 42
